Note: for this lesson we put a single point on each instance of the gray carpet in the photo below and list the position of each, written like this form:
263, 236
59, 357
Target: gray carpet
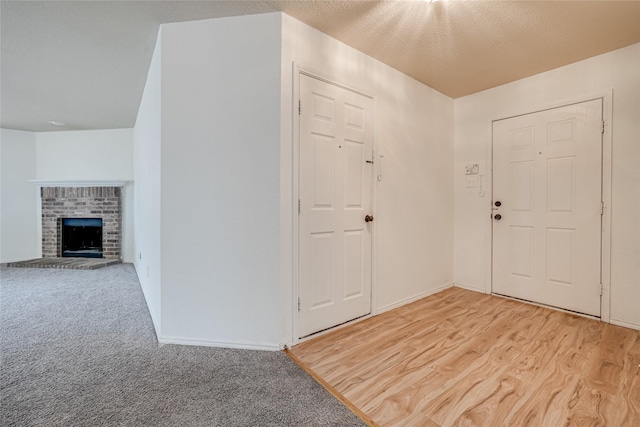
79, 349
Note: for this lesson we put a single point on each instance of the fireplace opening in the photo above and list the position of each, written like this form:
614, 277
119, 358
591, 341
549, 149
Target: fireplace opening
82, 237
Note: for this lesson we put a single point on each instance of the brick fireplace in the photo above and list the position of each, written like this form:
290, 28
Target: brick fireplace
59, 203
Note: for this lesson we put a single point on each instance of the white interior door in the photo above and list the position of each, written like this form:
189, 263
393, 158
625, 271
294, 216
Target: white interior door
336, 150
547, 193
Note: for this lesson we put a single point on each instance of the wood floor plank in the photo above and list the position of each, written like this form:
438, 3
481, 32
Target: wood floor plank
459, 358
529, 360
610, 394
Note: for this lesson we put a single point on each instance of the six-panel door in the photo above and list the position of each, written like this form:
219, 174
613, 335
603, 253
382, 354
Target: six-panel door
336, 141
547, 175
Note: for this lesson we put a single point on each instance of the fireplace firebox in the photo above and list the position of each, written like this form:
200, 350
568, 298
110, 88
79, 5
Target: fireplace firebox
81, 237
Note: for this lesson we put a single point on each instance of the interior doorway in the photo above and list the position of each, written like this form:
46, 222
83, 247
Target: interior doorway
335, 220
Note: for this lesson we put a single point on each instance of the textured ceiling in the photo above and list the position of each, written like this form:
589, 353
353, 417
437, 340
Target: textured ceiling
85, 62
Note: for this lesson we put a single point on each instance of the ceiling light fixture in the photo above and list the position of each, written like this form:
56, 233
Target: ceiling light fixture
57, 123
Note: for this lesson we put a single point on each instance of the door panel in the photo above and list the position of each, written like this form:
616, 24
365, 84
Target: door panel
354, 174
354, 285
561, 184
322, 269
548, 177
522, 186
521, 253
323, 171
336, 140
560, 256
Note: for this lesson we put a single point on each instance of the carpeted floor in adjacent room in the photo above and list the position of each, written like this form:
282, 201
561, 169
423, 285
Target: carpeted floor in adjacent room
79, 349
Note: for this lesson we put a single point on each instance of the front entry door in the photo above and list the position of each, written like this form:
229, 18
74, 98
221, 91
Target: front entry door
336, 152
547, 193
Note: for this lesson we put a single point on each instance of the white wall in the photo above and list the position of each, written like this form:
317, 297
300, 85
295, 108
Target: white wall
413, 225
147, 136
220, 181
618, 70
223, 275
18, 208
92, 155
85, 155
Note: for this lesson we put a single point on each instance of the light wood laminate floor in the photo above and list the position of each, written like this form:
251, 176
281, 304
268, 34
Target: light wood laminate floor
461, 358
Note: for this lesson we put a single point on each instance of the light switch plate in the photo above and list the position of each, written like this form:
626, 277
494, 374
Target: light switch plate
473, 169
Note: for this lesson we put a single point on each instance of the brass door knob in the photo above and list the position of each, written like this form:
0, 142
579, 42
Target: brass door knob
368, 218
497, 217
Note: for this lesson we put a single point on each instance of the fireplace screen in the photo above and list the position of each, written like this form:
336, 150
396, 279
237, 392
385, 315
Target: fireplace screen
82, 237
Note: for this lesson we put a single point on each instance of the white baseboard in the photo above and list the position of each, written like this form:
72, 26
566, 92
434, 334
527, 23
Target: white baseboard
413, 298
156, 322
469, 288
221, 344
625, 324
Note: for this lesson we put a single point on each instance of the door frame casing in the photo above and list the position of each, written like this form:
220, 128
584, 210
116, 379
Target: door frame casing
297, 70
605, 231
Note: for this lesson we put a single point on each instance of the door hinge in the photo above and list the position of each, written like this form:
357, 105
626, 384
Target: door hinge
602, 128
601, 208
299, 206
299, 304
299, 106
601, 290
